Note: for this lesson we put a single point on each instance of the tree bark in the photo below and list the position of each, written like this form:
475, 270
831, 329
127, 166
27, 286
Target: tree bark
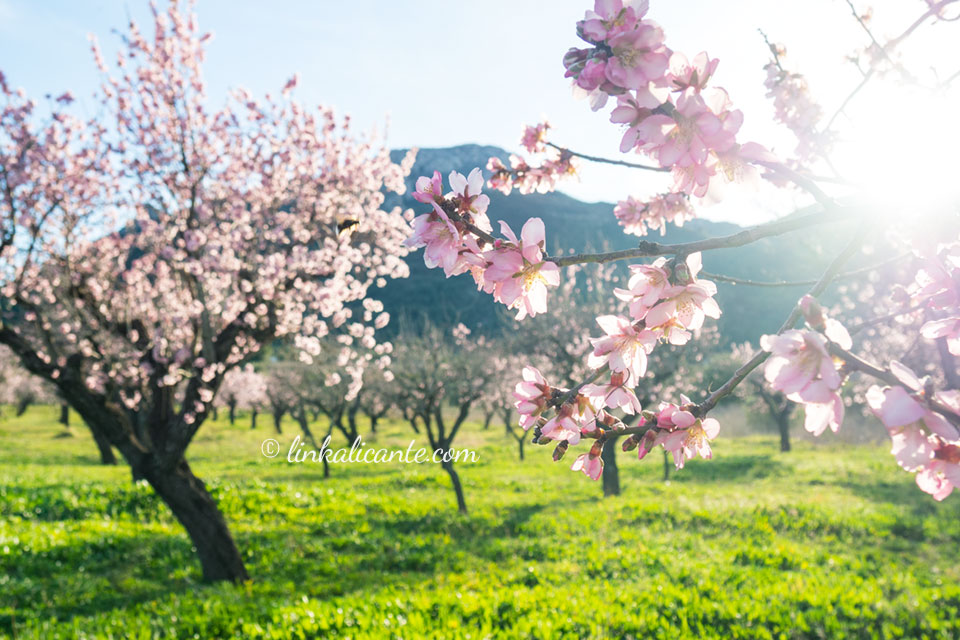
611, 473
457, 487
520, 442
233, 413
195, 508
103, 445
65, 414
253, 419
277, 418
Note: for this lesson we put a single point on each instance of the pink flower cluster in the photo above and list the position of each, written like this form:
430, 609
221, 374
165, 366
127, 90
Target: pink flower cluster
936, 288
923, 441
663, 100
802, 367
667, 303
795, 108
575, 416
512, 269
678, 431
637, 217
526, 178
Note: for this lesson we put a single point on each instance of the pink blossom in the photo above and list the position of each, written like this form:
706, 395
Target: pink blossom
638, 56
531, 395
939, 476
466, 193
614, 394
610, 17
692, 441
686, 74
801, 366
534, 137
565, 425
685, 305
429, 190
645, 287
519, 274
948, 328
441, 240
623, 348
634, 108
592, 466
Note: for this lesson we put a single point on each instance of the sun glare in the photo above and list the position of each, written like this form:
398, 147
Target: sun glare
900, 147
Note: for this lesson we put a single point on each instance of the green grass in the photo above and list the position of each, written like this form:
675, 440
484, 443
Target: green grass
823, 542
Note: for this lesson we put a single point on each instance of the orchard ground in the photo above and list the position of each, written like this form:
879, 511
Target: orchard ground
827, 541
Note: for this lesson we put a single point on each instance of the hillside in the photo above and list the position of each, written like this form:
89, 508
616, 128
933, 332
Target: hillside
572, 224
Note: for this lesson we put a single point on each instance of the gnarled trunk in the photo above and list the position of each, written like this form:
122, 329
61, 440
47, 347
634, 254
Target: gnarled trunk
195, 508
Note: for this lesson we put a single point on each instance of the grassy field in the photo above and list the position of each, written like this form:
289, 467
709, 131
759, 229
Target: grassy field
821, 542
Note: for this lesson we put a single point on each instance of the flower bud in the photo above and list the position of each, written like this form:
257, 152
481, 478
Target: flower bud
631, 442
560, 450
812, 312
648, 416
596, 449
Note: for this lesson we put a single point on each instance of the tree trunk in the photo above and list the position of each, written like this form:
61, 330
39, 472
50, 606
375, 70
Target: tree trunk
215, 412
611, 474
783, 423
22, 405
487, 417
373, 424
666, 466
197, 511
253, 419
457, 487
233, 413
65, 414
277, 418
305, 427
520, 442
103, 444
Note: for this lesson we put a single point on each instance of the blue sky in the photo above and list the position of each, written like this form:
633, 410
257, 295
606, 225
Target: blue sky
452, 72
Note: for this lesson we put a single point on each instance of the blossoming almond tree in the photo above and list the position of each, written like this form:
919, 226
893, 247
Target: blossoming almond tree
685, 126
160, 244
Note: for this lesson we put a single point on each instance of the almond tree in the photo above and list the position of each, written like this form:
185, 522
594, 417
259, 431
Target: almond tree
160, 244
242, 388
436, 373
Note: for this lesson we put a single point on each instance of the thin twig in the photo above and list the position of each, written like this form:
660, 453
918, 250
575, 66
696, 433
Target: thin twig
621, 163
747, 236
727, 387
799, 283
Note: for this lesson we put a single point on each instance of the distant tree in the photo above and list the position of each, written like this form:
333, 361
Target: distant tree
436, 372
242, 388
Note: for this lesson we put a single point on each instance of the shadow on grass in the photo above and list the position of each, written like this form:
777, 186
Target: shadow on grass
732, 469
322, 558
